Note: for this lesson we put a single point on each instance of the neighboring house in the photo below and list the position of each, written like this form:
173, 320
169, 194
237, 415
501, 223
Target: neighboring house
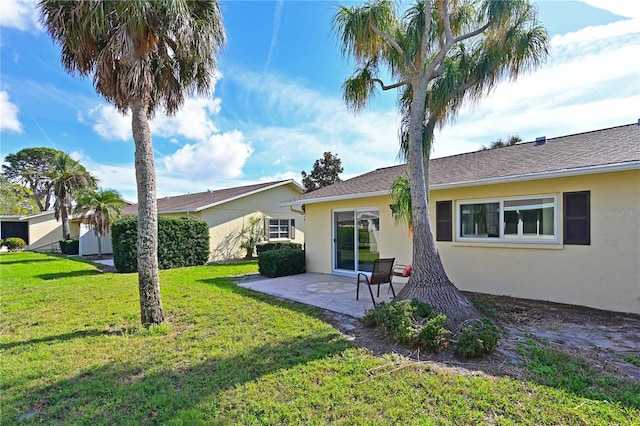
228, 211
41, 231
556, 219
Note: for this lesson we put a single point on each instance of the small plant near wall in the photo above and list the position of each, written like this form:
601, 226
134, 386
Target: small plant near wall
252, 235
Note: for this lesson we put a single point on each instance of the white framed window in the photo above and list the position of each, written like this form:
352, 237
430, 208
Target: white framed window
530, 219
280, 229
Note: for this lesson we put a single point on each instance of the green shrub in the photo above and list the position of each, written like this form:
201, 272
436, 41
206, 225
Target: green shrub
1, 242
278, 263
433, 334
15, 243
181, 242
262, 247
477, 338
397, 319
70, 247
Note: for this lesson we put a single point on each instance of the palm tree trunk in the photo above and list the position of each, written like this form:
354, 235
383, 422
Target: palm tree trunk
64, 217
428, 281
99, 247
148, 280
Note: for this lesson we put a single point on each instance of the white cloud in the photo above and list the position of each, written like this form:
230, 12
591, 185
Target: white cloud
192, 120
219, 156
19, 14
108, 122
9, 115
628, 8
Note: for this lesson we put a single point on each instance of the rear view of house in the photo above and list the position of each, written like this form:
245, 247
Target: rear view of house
554, 219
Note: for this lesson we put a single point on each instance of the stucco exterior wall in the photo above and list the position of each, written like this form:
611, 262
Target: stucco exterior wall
44, 231
228, 219
604, 274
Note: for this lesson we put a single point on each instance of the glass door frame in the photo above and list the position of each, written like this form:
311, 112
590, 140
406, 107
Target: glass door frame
334, 239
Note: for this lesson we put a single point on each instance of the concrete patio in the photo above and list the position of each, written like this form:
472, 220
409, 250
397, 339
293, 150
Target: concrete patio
332, 292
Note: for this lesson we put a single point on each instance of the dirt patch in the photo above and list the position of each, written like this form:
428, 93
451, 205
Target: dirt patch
599, 338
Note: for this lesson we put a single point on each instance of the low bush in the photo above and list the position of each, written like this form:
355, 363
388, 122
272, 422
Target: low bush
477, 338
15, 243
1, 242
70, 247
282, 262
263, 247
433, 335
181, 242
413, 323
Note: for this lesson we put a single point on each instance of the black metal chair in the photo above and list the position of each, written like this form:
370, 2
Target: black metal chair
381, 274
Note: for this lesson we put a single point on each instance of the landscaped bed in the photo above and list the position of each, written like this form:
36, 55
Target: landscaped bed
72, 351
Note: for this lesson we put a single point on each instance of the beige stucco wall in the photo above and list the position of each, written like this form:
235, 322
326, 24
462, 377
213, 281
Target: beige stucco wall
44, 231
604, 275
228, 219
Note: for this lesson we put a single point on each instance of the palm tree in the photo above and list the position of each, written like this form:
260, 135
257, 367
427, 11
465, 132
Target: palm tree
68, 178
141, 55
100, 209
440, 54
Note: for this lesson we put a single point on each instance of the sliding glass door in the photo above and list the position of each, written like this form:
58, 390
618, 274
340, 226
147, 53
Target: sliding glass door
355, 239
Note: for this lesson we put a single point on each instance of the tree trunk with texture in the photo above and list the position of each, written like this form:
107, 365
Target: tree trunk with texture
64, 217
148, 280
428, 281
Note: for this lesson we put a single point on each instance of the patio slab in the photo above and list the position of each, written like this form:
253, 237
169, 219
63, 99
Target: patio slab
332, 292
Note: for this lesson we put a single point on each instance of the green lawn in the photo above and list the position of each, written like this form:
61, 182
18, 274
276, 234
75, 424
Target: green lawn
72, 352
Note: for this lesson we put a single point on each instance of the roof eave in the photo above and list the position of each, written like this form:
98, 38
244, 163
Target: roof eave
606, 168
237, 197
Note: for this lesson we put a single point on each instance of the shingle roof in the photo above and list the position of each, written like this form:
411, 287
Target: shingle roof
579, 153
202, 200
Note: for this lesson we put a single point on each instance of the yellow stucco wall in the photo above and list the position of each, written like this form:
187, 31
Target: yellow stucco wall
604, 275
226, 220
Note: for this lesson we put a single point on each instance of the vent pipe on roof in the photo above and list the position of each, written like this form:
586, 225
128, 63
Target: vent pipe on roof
541, 140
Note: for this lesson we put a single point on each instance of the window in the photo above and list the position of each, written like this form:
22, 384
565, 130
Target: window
516, 219
577, 221
280, 229
444, 214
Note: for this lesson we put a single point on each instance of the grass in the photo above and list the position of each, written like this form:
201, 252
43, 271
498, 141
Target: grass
559, 370
73, 352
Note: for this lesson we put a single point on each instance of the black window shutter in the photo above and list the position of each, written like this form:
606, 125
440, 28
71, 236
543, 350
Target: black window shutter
444, 221
577, 218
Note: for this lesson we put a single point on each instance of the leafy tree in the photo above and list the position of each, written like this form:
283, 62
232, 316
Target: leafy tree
15, 199
499, 143
68, 178
31, 168
141, 55
100, 209
439, 54
326, 171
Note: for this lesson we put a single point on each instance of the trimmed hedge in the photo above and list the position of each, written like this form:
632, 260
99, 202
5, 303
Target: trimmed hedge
278, 263
181, 242
70, 246
261, 248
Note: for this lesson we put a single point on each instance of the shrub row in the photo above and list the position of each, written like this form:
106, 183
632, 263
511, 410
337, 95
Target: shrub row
181, 242
70, 246
282, 262
414, 324
262, 247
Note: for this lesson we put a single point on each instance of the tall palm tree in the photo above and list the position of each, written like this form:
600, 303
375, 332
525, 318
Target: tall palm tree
100, 209
141, 55
68, 178
440, 54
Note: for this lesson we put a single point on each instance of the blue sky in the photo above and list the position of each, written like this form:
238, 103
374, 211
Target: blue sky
277, 104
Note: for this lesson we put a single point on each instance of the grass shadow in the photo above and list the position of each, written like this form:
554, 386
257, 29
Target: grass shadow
25, 261
133, 393
80, 334
69, 274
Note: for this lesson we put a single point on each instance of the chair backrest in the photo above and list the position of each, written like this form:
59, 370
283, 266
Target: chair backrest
382, 269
